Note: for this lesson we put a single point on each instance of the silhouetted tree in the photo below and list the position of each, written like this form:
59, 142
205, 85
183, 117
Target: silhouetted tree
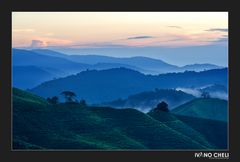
68, 95
53, 100
205, 94
49, 99
162, 106
83, 102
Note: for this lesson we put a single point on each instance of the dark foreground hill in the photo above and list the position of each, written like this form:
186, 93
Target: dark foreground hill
97, 86
208, 108
203, 130
214, 130
39, 125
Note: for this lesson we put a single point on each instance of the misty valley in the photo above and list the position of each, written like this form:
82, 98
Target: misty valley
96, 102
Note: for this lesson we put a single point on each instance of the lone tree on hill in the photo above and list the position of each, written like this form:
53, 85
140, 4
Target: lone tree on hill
68, 95
162, 106
53, 100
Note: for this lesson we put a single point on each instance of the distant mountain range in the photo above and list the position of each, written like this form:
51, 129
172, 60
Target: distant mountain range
30, 58
199, 67
148, 100
147, 65
62, 65
97, 86
39, 125
30, 76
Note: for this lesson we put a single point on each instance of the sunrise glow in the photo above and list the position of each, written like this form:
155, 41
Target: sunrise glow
100, 29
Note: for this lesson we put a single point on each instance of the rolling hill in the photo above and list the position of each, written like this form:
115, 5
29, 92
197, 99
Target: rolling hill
214, 133
29, 58
145, 101
143, 64
215, 88
95, 62
209, 108
98, 86
61, 65
216, 91
214, 130
40, 125
48, 65
199, 67
26, 77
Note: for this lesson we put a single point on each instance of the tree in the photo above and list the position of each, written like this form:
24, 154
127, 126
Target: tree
53, 100
162, 106
82, 102
68, 95
49, 100
205, 94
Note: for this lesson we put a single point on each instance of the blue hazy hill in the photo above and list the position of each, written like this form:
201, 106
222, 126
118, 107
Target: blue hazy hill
30, 76
216, 91
48, 66
142, 64
215, 88
214, 54
106, 85
27, 58
30, 68
48, 52
199, 67
95, 62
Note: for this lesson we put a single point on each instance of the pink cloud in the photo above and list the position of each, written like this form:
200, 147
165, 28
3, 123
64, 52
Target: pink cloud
47, 42
38, 44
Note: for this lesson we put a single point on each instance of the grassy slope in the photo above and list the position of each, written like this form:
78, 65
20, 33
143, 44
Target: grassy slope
211, 108
37, 124
214, 131
171, 121
145, 129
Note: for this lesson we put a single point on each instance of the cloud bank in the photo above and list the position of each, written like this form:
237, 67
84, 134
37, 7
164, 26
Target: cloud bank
218, 29
140, 37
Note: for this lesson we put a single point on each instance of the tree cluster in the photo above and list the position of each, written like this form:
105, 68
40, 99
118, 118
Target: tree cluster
69, 99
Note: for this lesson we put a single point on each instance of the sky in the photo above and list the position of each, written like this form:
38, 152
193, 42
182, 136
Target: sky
106, 32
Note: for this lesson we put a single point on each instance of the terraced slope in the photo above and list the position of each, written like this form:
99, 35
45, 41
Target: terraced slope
208, 108
39, 125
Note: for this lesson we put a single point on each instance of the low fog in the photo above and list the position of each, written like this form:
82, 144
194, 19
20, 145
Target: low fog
197, 91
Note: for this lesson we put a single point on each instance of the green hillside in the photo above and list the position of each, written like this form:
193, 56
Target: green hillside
210, 133
208, 108
22, 96
214, 131
39, 125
